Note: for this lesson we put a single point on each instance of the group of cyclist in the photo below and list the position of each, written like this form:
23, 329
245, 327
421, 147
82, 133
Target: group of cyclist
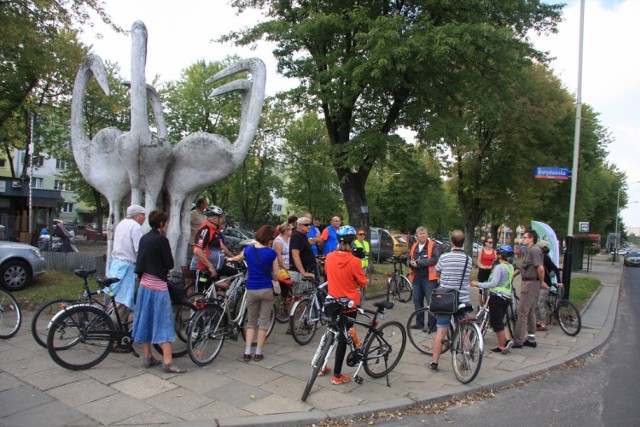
346, 276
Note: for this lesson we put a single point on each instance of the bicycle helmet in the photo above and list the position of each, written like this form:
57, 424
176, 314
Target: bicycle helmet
505, 250
346, 234
213, 211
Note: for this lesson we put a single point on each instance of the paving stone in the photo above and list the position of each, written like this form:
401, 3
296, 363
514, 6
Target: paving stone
20, 398
49, 414
53, 378
323, 398
285, 386
251, 373
201, 380
110, 410
178, 401
111, 371
143, 386
30, 365
275, 404
8, 381
215, 410
237, 394
81, 392
152, 416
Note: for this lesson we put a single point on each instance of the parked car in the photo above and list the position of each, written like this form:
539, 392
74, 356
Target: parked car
621, 252
400, 245
91, 232
237, 238
381, 243
19, 264
632, 259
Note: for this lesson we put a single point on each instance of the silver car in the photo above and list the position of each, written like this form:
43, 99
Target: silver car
19, 264
632, 259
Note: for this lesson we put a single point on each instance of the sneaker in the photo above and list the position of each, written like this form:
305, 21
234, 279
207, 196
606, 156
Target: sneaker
246, 358
340, 380
531, 344
541, 328
416, 326
507, 347
324, 371
496, 350
433, 366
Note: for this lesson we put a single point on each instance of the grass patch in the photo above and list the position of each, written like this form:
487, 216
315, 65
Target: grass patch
52, 285
581, 290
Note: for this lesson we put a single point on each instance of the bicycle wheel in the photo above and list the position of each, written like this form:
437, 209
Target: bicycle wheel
183, 312
43, 316
303, 322
206, 335
422, 339
392, 289
80, 337
318, 362
197, 299
404, 290
466, 352
282, 312
569, 318
245, 319
10, 315
384, 350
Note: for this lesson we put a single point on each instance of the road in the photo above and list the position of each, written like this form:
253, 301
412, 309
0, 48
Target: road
602, 391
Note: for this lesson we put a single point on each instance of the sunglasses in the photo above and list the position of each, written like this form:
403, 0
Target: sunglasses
489, 241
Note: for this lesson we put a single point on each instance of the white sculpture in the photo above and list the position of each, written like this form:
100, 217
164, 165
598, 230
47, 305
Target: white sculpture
117, 163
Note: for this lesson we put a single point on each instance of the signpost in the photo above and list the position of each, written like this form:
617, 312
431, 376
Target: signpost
550, 172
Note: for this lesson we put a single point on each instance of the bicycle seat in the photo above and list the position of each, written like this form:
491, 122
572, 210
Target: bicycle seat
464, 307
384, 304
106, 281
84, 273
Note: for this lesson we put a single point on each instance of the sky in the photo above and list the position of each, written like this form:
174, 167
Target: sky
181, 33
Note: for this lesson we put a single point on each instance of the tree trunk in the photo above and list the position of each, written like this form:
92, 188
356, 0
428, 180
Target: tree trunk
356, 200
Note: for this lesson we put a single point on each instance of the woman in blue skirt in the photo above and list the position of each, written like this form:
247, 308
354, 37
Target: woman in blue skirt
153, 320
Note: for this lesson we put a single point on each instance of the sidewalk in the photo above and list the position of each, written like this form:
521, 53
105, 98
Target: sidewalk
34, 391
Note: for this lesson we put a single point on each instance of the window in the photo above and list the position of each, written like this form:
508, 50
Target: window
36, 182
62, 185
67, 208
277, 208
3, 163
61, 165
38, 161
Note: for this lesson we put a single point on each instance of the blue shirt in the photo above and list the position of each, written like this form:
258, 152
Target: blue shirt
312, 234
260, 276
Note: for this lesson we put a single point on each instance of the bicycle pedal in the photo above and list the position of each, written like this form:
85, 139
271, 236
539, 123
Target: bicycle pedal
358, 379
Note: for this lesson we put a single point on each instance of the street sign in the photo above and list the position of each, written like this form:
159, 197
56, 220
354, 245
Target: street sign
583, 227
550, 172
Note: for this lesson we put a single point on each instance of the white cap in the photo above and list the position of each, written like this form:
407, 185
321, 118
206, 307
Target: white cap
135, 209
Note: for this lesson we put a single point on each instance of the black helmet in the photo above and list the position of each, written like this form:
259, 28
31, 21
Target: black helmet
213, 211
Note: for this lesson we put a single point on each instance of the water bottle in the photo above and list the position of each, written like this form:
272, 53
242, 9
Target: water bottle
354, 336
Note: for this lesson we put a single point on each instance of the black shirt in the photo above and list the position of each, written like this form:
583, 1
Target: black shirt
154, 255
301, 242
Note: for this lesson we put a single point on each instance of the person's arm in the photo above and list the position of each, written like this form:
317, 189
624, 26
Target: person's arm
235, 258
199, 253
435, 256
277, 246
496, 279
295, 254
358, 272
274, 269
479, 260
540, 271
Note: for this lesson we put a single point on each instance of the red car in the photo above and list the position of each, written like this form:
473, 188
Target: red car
91, 232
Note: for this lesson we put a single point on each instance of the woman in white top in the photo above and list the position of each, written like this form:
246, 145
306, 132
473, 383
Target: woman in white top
281, 244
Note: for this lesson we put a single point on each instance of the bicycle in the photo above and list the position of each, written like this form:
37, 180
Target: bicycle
82, 335
306, 311
10, 315
382, 346
218, 318
42, 317
464, 338
564, 311
398, 286
282, 302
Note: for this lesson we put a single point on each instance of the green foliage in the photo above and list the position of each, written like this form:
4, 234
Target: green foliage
582, 288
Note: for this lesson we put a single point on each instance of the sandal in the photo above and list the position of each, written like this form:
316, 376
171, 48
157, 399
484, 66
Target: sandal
172, 368
150, 361
324, 371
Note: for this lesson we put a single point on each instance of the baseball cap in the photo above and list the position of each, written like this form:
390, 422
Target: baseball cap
135, 209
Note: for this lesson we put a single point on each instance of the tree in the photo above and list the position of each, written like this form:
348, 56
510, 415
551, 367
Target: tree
374, 66
40, 53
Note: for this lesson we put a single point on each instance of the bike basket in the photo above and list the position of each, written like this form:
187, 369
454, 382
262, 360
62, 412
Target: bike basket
302, 287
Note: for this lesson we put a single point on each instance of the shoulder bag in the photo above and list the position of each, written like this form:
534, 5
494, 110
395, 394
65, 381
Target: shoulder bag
445, 300
275, 283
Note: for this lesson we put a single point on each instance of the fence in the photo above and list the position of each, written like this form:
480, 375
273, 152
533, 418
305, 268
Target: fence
75, 260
